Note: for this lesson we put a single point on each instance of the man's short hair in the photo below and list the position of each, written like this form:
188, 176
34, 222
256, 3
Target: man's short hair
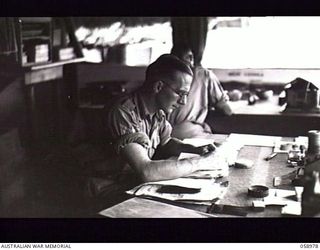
180, 49
166, 67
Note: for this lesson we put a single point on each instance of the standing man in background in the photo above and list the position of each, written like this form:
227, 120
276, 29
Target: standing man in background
205, 93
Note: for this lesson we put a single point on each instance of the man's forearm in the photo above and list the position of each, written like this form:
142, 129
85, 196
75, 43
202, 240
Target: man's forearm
171, 169
168, 169
155, 170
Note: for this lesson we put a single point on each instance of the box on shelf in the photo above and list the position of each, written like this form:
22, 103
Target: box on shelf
66, 53
136, 54
129, 54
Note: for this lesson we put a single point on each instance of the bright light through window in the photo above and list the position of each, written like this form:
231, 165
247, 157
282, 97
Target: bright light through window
263, 42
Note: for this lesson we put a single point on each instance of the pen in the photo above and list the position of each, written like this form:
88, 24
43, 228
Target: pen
270, 156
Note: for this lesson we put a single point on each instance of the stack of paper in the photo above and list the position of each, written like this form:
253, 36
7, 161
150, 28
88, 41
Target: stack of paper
186, 190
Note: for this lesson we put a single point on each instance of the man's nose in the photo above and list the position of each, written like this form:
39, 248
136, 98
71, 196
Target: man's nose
192, 62
183, 100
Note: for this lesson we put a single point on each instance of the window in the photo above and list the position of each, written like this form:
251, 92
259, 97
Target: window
128, 40
263, 42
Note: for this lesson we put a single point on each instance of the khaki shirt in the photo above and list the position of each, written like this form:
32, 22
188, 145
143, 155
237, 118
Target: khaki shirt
129, 121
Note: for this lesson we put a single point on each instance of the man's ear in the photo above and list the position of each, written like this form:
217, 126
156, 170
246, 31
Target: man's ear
157, 86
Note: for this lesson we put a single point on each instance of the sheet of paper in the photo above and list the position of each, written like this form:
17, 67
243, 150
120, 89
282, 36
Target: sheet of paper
229, 151
280, 197
292, 208
253, 140
198, 141
144, 208
281, 192
208, 174
226, 154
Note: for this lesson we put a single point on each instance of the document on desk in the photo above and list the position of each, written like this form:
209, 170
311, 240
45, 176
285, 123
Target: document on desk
225, 154
253, 140
188, 190
144, 208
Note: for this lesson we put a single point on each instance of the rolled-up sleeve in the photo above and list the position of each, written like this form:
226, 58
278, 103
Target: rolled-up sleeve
124, 129
138, 137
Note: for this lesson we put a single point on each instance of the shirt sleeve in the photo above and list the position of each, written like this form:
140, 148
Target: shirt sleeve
165, 134
216, 91
124, 129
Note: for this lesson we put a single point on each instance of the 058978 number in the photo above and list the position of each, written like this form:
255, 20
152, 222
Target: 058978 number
305, 245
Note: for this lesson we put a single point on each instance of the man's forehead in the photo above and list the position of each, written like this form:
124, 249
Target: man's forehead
181, 80
180, 76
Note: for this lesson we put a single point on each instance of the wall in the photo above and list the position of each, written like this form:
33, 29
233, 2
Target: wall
12, 130
36, 182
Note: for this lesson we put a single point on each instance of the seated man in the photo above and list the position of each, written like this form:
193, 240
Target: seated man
138, 126
205, 93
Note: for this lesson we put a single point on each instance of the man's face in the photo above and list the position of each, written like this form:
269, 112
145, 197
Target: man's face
174, 92
188, 58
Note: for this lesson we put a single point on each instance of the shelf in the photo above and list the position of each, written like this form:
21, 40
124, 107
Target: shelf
36, 19
36, 38
54, 64
31, 33
30, 64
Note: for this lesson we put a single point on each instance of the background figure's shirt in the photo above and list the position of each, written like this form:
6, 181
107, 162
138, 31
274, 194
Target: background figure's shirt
205, 93
130, 121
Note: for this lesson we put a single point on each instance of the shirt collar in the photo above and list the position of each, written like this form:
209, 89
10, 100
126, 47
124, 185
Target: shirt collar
143, 108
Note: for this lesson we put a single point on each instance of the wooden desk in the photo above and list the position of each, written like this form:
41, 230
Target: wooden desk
264, 117
261, 173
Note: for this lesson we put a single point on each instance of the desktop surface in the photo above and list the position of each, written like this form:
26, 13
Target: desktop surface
240, 179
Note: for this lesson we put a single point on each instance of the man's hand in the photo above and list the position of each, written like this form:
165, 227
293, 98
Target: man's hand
202, 150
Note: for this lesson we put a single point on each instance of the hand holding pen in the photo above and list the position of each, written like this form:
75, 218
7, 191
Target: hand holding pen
206, 149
